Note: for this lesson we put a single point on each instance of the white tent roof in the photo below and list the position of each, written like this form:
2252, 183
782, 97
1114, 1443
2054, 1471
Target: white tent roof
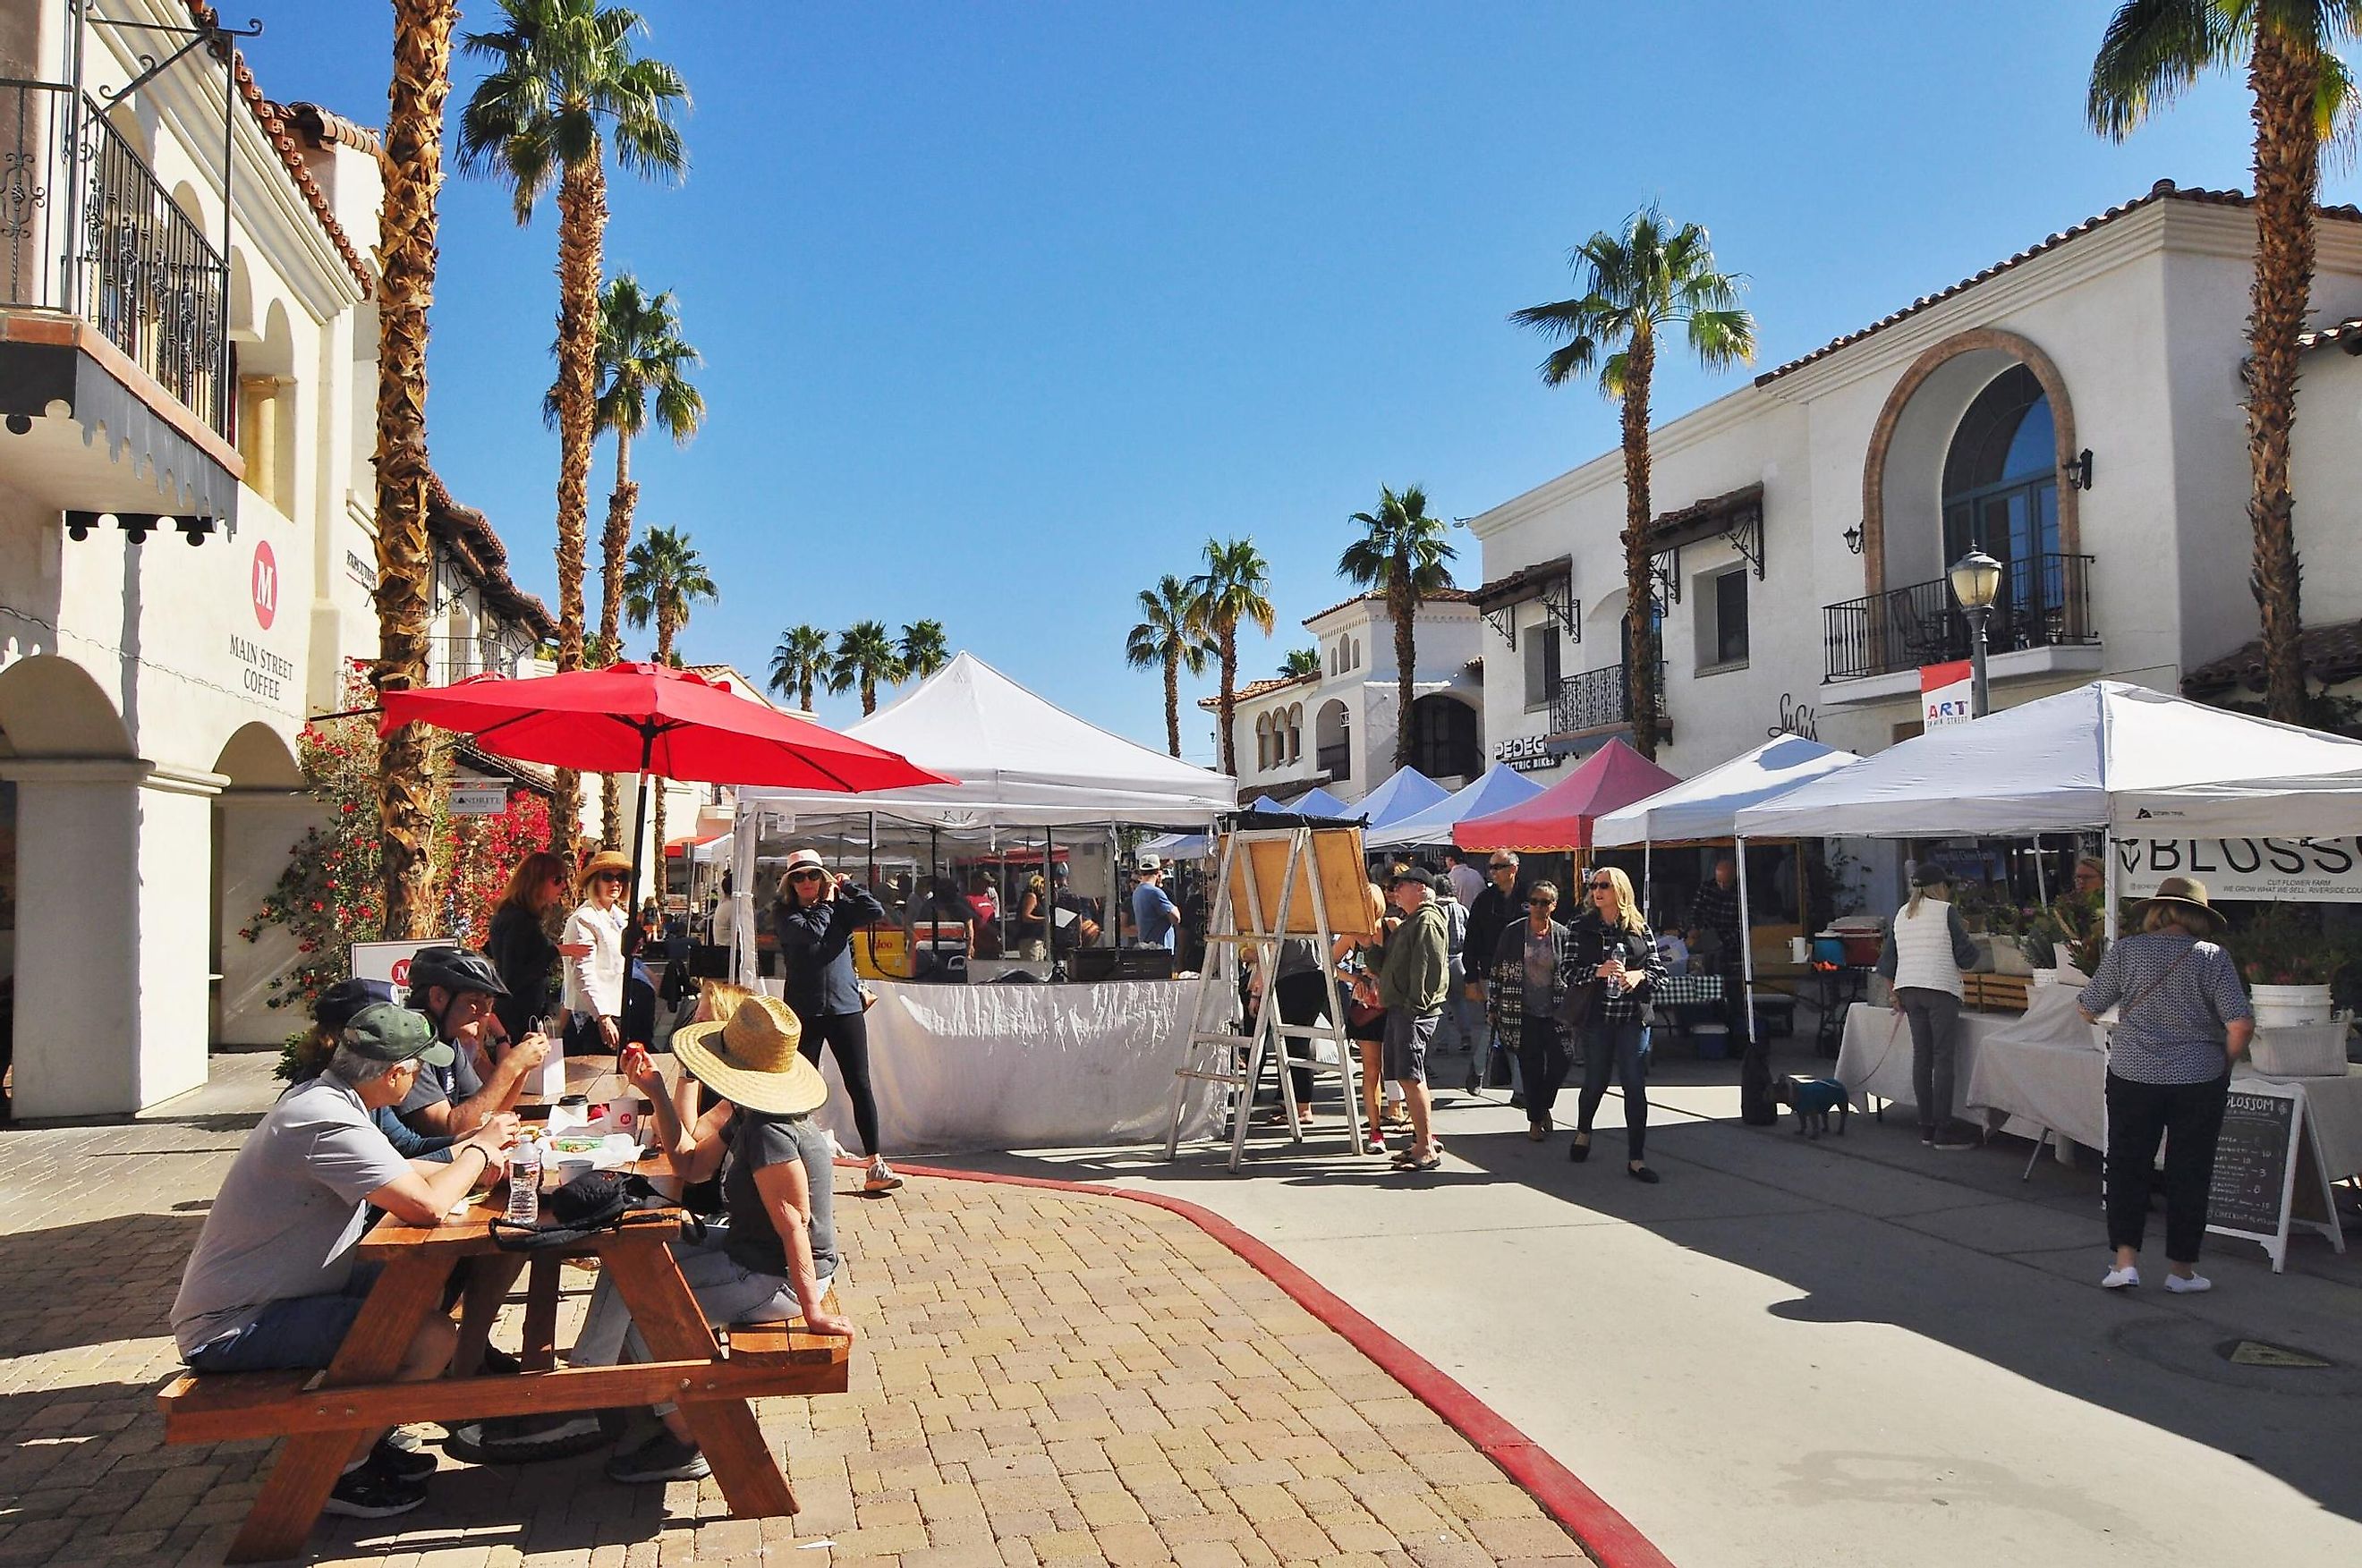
2067, 763
1705, 807
1020, 760
1499, 787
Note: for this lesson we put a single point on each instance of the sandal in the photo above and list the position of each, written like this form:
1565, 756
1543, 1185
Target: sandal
1407, 1161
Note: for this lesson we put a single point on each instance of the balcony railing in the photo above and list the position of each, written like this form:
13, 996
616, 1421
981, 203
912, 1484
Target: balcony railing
1597, 699
1336, 761
86, 229
2045, 602
455, 658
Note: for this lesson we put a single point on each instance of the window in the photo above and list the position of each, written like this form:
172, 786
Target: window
1263, 742
2001, 488
1443, 738
1541, 666
1296, 733
1721, 612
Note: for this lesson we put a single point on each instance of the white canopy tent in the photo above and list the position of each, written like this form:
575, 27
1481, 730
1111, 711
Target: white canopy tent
1706, 808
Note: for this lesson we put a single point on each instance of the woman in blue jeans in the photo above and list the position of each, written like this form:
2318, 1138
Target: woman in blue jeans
1617, 950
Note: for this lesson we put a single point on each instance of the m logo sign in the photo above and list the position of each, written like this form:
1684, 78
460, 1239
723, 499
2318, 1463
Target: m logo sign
265, 584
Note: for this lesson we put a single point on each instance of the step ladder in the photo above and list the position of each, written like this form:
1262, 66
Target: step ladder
1223, 1049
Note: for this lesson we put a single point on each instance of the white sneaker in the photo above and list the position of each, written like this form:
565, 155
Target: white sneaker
2188, 1285
881, 1177
2119, 1279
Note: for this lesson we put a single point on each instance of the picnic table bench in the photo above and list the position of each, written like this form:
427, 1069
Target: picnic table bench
324, 1415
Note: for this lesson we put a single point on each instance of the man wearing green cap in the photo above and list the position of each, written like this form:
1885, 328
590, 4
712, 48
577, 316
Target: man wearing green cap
272, 1282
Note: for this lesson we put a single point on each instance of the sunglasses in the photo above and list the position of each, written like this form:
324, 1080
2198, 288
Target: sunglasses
807, 876
1601, 886
612, 876
1541, 903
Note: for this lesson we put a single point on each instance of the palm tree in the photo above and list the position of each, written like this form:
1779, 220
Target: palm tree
564, 81
663, 581
922, 650
406, 566
865, 656
800, 660
1169, 637
2152, 50
1234, 587
1650, 277
1401, 553
1299, 661
640, 356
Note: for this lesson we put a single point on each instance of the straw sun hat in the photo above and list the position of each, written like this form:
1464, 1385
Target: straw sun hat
604, 860
750, 1059
2181, 893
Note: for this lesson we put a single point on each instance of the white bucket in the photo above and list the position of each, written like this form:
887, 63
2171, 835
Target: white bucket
2290, 1006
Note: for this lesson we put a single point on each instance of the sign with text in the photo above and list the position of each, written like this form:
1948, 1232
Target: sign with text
390, 961
1527, 753
1947, 694
2296, 871
2268, 1173
479, 800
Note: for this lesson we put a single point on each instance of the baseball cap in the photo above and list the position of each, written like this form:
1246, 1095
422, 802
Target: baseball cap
340, 1002
383, 1032
1425, 879
1151, 863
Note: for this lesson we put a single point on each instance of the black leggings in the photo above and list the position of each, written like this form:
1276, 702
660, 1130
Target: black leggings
847, 1034
1302, 1000
1617, 1046
2189, 1117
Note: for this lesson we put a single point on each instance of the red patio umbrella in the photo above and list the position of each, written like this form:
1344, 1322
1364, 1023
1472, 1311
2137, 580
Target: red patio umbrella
1559, 818
651, 719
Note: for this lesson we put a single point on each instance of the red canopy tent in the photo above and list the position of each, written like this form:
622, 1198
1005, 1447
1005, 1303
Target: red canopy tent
1560, 816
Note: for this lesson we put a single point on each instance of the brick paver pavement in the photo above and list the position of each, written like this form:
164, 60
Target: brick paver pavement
1044, 1378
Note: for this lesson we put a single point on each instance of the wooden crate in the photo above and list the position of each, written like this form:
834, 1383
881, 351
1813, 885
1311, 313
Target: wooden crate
1996, 993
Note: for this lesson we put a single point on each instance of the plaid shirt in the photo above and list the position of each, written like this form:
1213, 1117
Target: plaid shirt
1505, 997
1596, 942
1715, 909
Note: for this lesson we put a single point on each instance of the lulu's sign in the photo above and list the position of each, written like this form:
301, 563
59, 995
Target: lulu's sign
2305, 870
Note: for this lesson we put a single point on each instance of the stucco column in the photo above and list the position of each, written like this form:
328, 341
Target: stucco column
114, 877
260, 830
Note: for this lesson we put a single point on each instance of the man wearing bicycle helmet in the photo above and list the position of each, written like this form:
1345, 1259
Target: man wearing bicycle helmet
455, 990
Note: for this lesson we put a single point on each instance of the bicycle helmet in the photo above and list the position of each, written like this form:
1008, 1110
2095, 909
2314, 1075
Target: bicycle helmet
454, 970
336, 1005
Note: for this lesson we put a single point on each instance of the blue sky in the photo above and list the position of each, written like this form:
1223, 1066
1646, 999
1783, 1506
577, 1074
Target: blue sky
1006, 308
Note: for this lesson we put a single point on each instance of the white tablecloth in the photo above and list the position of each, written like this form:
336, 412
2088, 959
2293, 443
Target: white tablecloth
1006, 1067
1874, 1056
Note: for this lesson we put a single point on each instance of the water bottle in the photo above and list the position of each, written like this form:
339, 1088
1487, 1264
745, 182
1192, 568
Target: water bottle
524, 1183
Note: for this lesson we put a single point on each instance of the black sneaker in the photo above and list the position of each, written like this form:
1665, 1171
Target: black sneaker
401, 1464
526, 1440
663, 1457
499, 1362
369, 1493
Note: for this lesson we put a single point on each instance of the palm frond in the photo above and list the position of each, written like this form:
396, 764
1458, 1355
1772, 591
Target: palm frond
2151, 53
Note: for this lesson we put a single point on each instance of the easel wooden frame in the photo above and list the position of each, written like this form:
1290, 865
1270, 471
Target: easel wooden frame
1215, 1045
2304, 1179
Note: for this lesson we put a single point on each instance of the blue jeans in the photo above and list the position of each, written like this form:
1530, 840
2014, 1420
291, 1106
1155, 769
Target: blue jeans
298, 1334
1617, 1047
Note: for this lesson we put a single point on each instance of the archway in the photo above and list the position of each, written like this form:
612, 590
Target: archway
258, 819
1332, 740
1444, 739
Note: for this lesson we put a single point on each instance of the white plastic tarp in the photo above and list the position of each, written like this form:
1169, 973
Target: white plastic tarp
1707, 807
1007, 1066
1406, 793
2067, 763
1020, 761
1498, 788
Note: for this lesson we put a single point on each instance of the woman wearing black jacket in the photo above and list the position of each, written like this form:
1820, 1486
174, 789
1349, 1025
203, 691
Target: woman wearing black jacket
519, 944
814, 921
1533, 970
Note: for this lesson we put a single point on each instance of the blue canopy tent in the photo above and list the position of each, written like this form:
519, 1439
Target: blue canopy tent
1499, 788
1407, 793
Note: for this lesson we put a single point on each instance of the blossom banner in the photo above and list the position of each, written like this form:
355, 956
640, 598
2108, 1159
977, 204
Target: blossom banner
2295, 871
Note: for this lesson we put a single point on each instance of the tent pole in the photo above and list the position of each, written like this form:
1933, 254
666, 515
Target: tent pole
2041, 883
1648, 882
1746, 956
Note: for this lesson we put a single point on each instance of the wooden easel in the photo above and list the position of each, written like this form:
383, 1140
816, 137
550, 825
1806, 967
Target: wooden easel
1218, 1053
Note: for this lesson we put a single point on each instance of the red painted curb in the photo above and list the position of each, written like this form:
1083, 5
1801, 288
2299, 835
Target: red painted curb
1608, 1536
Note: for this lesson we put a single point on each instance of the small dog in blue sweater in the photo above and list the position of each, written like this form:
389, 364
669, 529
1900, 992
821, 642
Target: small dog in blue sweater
1812, 1099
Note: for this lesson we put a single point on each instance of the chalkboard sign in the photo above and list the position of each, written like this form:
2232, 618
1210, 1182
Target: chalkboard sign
2251, 1163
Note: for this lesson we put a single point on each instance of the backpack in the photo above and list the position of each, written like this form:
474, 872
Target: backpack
1455, 940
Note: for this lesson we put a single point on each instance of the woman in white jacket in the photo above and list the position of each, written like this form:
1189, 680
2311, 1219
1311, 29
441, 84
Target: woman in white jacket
594, 982
1926, 948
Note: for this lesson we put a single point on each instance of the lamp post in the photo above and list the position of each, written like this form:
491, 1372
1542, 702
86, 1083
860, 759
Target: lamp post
1976, 583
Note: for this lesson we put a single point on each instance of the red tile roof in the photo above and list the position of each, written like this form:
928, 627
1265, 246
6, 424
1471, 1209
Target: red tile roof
470, 536
2332, 653
1442, 596
2163, 191
1254, 689
2348, 332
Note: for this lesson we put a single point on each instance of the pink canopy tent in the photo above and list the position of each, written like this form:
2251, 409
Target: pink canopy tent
1560, 816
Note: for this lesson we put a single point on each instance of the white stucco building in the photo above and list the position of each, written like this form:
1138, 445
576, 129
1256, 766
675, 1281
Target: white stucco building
187, 358
1336, 730
2073, 411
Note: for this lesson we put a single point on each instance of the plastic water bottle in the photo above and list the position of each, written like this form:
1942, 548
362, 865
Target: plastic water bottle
524, 1183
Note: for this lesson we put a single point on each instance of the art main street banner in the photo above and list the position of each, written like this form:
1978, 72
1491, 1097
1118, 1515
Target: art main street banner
2297, 870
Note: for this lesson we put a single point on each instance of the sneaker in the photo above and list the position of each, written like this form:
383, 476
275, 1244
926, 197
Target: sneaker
663, 1457
526, 1440
1951, 1143
1927, 1136
881, 1178
2120, 1279
2188, 1284
369, 1493
403, 1463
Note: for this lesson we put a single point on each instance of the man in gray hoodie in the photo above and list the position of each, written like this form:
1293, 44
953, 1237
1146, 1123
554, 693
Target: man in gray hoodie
1414, 977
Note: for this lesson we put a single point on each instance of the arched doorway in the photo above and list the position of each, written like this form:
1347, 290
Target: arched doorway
1332, 740
259, 818
1444, 742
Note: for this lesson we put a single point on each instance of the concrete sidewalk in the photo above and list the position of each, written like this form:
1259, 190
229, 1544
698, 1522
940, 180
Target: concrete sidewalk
1044, 1378
1852, 1352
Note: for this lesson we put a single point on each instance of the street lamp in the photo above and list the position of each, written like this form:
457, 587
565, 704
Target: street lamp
1976, 583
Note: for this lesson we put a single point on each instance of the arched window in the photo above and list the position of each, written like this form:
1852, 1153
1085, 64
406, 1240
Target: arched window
1443, 738
1332, 739
2000, 491
1296, 733
1263, 742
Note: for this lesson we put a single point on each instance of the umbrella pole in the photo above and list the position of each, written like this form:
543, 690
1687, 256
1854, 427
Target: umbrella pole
640, 825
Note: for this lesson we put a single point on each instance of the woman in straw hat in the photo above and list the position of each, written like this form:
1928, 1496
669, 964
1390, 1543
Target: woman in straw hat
594, 938
2182, 1018
817, 914
772, 1255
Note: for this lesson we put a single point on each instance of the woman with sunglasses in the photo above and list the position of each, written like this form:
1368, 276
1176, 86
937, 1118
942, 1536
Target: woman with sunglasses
816, 917
1533, 965
519, 944
594, 970
1616, 950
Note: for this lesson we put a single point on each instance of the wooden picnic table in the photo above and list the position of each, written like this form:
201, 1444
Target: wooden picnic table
324, 1415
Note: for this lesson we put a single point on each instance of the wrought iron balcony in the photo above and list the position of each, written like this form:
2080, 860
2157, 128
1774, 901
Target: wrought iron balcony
1336, 761
455, 658
2045, 602
1597, 699
87, 230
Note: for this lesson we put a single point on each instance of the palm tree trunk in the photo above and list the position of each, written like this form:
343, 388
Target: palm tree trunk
804, 691
1229, 701
582, 231
2288, 171
413, 176
1639, 660
868, 692
1403, 604
1172, 701
614, 543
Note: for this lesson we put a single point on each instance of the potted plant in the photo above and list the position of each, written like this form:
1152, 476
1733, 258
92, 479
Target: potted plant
2290, 962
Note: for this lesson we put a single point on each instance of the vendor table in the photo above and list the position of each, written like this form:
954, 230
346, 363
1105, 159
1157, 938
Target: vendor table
1020, 1065
326, 1415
